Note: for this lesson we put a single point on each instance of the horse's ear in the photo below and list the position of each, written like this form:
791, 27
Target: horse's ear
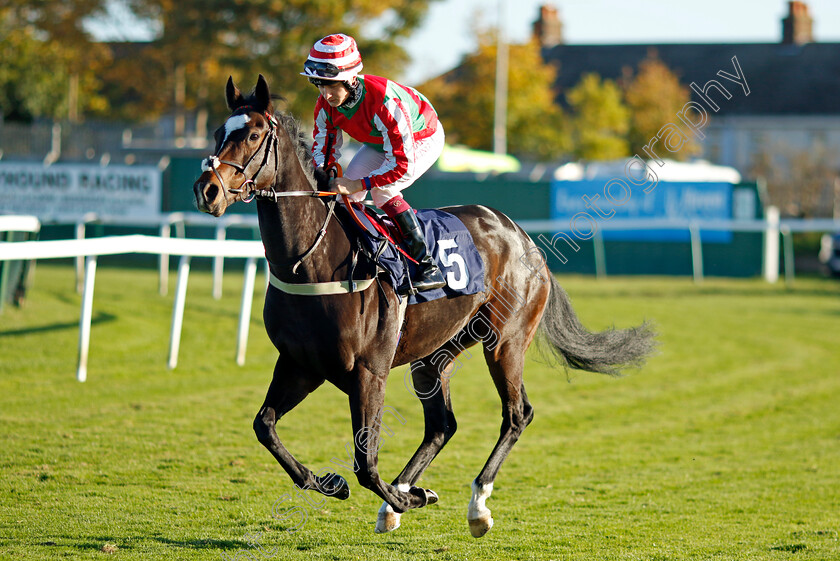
233, 95
261, 93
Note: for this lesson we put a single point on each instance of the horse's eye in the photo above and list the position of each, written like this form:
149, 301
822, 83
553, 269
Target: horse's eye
254, 136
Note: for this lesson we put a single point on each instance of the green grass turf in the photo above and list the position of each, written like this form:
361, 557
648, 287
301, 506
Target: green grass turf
725, 446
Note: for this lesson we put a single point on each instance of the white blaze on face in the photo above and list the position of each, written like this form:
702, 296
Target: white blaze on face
234, 124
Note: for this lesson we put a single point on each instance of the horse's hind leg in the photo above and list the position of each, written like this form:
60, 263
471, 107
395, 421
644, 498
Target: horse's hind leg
506, 363
288, 388
430, 383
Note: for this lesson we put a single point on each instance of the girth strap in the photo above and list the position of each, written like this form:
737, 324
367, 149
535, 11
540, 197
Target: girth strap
320, 288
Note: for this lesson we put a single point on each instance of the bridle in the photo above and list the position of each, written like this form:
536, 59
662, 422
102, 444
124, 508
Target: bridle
269, 144
213, 162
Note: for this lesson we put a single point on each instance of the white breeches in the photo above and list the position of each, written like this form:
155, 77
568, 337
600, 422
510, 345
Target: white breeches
367, 160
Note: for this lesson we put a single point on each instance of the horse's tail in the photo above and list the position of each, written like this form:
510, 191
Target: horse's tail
607, 351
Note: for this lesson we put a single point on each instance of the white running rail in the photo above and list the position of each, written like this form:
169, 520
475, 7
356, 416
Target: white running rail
114, 245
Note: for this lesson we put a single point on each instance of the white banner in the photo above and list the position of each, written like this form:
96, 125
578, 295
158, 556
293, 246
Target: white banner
69, 191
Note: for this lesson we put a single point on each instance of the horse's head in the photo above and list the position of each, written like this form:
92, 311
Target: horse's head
245, 159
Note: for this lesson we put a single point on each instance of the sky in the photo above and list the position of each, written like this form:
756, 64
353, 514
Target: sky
446, 34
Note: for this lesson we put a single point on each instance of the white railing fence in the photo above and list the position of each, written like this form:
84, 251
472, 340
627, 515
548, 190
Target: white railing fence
10, 225
772, 227
86, 251
92, 248
165, 223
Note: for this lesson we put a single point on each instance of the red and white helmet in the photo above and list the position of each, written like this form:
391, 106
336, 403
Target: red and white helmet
335, 58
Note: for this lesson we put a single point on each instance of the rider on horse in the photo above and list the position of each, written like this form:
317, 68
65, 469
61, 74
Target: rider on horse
400, 134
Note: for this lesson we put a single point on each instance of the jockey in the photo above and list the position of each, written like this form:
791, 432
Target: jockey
400, 134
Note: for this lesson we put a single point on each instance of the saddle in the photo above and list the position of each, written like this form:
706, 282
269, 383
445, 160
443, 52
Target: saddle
383, 224
376, 225
450, 243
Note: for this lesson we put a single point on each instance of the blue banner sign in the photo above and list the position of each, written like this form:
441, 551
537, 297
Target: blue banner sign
602, 203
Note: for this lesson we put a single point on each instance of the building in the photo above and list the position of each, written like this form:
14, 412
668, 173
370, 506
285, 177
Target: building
787, 125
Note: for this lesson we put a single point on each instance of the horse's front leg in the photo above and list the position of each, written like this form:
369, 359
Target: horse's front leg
366, 402
440, 426
288, 388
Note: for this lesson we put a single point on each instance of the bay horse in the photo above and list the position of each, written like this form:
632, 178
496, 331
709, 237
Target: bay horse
353, 338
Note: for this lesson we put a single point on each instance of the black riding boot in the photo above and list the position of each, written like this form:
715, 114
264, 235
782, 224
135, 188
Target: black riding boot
428, 275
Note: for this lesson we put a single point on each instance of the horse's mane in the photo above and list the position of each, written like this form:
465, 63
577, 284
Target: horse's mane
303, 149
317, 178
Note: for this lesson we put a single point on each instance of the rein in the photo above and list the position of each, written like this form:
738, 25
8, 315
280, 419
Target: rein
269, 144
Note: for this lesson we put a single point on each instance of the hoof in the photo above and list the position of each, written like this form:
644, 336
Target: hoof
478, 515
333, 485
429, 497
387, 521
480, 526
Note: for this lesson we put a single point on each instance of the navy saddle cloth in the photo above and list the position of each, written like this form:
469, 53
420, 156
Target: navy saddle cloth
450, 244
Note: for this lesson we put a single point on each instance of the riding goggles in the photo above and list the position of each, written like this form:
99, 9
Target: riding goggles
321, 82
321, 69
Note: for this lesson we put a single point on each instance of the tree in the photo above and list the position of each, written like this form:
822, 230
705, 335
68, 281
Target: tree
799, 182
201, 42
50, 57
49, 66
654, 96
464, 99
600, 120
537, 126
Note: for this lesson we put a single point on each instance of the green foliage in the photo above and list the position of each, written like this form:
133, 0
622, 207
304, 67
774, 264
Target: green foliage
655, 96
537, 126
724, 447
29, 89
200, 44
603, 121
42, 48
209, 42
600, 119
465, 101
45, 47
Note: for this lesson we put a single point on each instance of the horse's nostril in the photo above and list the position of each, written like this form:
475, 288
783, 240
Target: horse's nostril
211, 191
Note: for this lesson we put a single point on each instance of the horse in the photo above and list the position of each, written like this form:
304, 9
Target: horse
353, 332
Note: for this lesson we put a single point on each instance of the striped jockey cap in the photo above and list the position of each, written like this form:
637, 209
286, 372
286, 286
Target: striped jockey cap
335, 57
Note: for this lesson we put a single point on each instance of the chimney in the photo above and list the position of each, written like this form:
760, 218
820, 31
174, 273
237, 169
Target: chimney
797, 27
548, 29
